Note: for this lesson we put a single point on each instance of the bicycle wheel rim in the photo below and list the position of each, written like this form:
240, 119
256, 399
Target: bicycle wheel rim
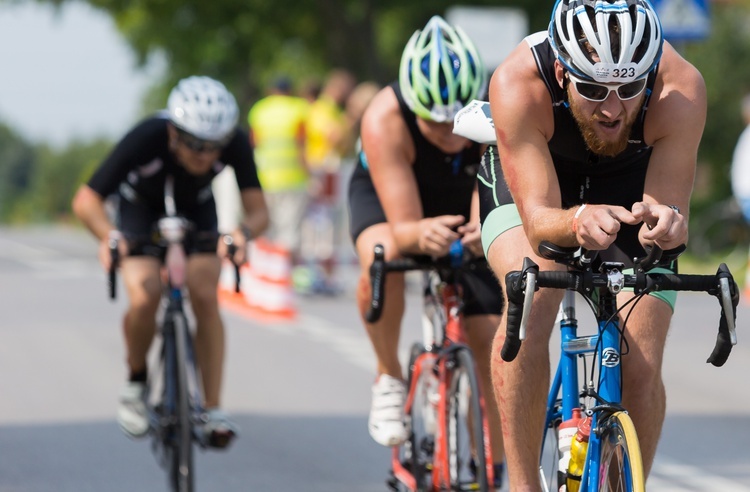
182, 460
465, 431
620, 461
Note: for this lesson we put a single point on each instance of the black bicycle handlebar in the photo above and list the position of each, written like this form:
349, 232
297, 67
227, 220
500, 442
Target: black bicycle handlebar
231, 250
380, 268
721, 285
114, 254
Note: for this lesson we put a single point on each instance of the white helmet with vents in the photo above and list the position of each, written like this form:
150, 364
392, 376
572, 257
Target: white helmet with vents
204, 108
441, 71
606, 40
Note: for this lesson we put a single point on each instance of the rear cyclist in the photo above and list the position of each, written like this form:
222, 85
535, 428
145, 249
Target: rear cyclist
192, 141
414, 191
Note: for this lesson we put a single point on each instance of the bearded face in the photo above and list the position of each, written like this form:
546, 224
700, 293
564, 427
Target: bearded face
605, 131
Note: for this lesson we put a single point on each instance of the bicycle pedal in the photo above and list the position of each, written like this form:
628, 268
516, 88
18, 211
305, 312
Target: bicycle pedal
220, 440
392, 483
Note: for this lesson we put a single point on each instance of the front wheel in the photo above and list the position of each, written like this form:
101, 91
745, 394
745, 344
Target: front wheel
620, 461
465, 439
180, 462
416, 454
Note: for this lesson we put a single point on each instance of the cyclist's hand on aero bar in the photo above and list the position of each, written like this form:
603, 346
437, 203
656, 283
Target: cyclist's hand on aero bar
663, 224
437, 233
597, 226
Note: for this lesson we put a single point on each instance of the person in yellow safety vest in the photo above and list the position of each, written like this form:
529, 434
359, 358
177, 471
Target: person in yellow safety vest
277, 132
327, 126
328, 140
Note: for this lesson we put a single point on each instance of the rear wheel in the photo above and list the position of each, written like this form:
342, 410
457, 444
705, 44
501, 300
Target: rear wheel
620, 461
467, 462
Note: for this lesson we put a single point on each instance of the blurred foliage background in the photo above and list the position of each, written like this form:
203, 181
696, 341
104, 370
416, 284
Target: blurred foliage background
246, 43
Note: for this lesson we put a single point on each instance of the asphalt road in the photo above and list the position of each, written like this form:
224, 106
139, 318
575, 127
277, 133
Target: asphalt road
299, 390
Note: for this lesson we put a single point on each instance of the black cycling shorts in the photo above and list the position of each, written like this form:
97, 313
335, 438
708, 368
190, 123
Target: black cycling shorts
364, 205
482, 293
138, 223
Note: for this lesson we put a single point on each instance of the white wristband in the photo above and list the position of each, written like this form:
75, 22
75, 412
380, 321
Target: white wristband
574, 225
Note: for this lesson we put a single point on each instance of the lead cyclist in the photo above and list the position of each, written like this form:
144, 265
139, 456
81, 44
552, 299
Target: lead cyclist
597, 122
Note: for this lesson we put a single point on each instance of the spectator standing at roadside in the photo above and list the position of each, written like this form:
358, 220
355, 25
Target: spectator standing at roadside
356, 104
328, 139
277, 132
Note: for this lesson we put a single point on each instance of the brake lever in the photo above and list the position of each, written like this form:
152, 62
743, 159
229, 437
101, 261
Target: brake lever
729, 300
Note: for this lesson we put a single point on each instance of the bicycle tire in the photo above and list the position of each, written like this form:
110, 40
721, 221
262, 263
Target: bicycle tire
418, 452
181, 472
620, 456
550, 459
464, 430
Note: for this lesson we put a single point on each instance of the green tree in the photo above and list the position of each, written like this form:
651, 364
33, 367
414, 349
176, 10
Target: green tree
17, 163
58, 173
722, 59
245, 43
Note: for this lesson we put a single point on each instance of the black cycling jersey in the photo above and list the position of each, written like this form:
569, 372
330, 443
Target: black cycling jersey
445, 181
138, 166
136, 171
584, 177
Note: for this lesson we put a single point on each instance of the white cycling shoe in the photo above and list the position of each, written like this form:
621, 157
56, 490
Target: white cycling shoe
132, 415
386, 421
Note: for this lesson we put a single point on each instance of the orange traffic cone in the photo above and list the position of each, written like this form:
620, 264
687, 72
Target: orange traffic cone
267, 283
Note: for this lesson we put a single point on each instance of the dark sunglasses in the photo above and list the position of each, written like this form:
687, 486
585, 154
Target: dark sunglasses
199, 145
599, 92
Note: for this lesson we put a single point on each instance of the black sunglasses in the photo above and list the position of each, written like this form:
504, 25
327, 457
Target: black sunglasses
198, 144
599, 92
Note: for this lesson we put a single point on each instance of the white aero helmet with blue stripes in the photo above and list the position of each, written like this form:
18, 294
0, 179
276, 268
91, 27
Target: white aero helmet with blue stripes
441, 71
606, 40
203, 107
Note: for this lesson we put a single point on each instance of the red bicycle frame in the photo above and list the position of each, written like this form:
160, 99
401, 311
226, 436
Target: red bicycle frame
438, 360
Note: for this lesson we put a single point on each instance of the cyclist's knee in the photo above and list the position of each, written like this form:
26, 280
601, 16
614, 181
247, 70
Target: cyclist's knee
204, 298
144, 298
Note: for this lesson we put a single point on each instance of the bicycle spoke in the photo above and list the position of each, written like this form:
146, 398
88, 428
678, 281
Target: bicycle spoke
467, 463
621, 467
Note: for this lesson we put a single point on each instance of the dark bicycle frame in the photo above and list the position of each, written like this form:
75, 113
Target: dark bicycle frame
176, 415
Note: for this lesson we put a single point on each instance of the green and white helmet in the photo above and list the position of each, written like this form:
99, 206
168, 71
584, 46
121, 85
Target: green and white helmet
441, 71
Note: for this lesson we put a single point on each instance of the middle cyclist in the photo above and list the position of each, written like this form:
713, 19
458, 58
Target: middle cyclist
414, 191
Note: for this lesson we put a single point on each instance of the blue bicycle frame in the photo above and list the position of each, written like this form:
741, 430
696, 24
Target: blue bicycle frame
612, 431
565, 385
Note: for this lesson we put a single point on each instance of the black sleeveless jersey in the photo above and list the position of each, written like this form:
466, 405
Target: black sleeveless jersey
445, 181
569, 151
138, 166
